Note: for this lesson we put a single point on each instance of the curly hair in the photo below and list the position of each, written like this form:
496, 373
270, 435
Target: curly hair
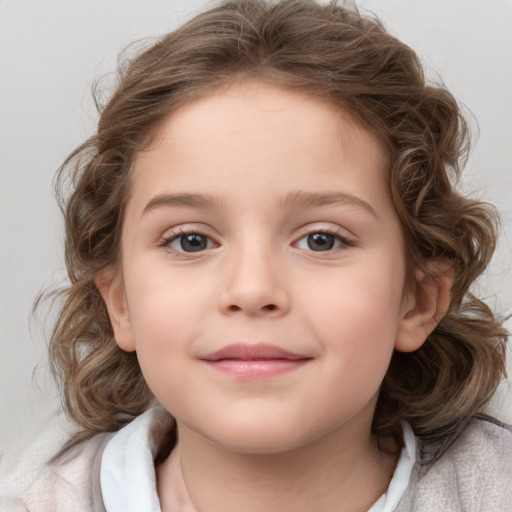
335, 53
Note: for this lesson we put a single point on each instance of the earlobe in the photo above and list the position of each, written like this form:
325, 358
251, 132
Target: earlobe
110, 286
424, 308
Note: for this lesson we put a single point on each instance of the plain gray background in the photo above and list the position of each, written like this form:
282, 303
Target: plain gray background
52, 51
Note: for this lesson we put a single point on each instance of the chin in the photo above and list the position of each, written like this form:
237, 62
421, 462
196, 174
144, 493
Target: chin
260, 439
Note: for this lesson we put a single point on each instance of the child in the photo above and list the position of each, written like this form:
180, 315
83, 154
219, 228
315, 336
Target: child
269, 270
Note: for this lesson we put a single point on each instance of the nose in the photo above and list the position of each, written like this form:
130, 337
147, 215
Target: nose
254, 285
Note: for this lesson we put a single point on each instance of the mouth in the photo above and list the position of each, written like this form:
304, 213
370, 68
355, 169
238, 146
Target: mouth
254, 360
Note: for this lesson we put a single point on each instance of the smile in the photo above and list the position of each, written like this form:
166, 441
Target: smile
254, 361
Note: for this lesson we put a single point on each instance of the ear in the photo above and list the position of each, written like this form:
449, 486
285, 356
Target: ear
425, 304
111, 288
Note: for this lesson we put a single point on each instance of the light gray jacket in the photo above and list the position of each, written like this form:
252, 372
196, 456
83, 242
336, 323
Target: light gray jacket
473, 475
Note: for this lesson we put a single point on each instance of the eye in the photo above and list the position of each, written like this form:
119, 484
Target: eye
189, 242
322, 241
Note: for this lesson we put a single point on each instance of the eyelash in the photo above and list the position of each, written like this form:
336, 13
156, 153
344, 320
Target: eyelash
343, 241
182, 232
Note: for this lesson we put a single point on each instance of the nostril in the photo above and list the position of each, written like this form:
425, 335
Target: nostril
269, 307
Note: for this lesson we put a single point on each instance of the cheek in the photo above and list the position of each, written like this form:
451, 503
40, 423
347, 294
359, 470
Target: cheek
162, 348
164, 305
353, 296
162, 324
357, 320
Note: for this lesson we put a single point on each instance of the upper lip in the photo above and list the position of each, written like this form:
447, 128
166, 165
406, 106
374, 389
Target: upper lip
252, 352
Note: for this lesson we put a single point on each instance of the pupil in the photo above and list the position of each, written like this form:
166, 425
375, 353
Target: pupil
193, 242
320, 242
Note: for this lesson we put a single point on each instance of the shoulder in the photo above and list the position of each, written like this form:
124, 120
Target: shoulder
489, 437
474, 474
69, 484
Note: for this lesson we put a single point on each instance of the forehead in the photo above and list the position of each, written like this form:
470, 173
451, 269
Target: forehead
239, 105
249, 132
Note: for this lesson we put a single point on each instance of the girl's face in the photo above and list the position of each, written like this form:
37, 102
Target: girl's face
263, 273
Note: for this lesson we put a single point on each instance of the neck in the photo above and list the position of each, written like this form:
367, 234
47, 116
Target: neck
339, 472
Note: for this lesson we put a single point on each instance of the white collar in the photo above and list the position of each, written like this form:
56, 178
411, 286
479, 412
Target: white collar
388, 502
128, 481
127, 475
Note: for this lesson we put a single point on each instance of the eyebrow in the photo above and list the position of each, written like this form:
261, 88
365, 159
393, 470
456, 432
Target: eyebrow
294, 199
303, 199
185, 200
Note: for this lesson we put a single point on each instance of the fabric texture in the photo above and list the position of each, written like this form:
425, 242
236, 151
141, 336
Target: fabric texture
402, 475
127, 469
473, 475
30, 483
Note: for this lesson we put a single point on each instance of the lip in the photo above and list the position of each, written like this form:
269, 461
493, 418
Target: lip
254, 361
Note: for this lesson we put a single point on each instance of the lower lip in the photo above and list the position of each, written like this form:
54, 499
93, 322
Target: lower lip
260, 368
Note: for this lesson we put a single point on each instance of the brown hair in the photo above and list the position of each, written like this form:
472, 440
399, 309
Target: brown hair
335, 53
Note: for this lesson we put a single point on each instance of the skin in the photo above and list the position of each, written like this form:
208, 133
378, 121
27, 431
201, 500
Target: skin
266, 163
